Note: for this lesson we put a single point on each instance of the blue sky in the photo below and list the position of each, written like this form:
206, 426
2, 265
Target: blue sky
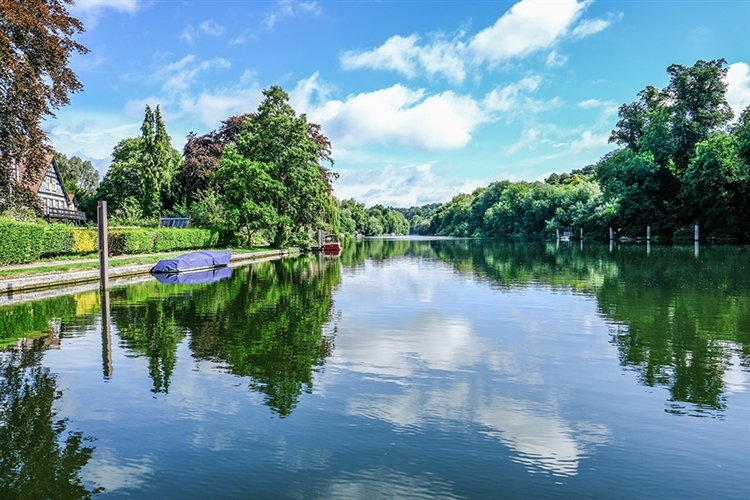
421, 99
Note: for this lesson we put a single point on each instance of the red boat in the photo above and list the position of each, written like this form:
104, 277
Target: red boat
331, 245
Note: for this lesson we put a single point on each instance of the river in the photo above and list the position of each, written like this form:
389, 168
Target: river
404, 368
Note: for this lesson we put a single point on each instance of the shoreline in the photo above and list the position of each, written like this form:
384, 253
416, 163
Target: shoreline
23, 289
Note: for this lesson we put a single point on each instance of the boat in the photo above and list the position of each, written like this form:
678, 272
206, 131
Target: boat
331, 245
195, 261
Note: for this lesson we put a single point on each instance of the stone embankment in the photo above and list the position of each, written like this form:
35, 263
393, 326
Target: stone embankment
39, 286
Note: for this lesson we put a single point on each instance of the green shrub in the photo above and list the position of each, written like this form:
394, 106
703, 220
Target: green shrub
20, 242
130, 241
58, 240
168, 239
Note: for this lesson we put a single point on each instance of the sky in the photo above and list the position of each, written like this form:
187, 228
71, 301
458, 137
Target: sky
422, 100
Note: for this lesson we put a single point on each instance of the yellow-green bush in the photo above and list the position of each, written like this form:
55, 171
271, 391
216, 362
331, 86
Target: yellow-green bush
85, 241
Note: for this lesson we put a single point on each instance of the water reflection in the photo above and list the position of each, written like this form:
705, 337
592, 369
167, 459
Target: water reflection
265, 323
38, 458
678, 319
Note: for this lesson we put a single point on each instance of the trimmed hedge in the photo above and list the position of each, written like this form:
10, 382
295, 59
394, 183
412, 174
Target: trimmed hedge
22, 242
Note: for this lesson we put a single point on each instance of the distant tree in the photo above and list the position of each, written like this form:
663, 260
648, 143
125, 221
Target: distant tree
35, 47
122, 180
80, 177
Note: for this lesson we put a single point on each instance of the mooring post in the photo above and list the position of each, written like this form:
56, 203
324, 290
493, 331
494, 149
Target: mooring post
611, 234
101, 214
581, 234
648, 233
648, 247
557, 234
696, 232
106, 336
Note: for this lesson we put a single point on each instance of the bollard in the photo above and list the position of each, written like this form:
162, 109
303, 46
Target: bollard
101, 215
648, 233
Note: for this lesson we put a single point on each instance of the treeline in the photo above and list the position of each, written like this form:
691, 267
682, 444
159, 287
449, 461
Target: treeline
260, 178
682, 161
355, 219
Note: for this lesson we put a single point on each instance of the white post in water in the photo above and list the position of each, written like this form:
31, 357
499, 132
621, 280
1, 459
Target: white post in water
101, 215
557, 234
106, 336
320, 239
611, 234
648, 247
648, 233
581, 234
696, 232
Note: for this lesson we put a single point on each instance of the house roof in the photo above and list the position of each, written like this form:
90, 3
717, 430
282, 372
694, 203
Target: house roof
36, 182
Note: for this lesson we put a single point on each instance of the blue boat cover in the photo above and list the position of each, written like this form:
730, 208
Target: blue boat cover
195, 277
195, 260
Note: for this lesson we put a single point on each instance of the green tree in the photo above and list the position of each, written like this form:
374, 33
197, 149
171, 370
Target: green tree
122, 180
80, 177
160, 162
36, 42
275, 158
714, 187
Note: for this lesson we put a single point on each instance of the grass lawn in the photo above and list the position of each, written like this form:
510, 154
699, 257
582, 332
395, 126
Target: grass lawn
59, 265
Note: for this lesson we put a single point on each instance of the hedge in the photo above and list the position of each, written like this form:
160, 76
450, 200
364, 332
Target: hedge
22, 242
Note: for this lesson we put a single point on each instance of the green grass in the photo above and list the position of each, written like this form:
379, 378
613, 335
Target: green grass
59, 265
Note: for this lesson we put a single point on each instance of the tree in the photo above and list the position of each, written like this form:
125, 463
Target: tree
277, 161
80, 177
35, 47
159, 163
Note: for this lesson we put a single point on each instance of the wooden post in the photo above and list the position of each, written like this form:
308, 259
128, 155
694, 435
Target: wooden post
106, 336
101, 214
648, 233
696, 232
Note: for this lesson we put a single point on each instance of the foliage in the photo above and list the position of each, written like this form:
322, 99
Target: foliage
271, 177
21, 242
377, 220
140, 180
37, 458
79, 176
35, 48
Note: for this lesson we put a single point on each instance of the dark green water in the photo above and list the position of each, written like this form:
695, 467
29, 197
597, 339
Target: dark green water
401, 369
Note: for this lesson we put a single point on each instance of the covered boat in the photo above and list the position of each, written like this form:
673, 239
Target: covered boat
206, 259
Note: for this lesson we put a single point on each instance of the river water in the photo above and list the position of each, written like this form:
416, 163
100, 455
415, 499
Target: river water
401, 369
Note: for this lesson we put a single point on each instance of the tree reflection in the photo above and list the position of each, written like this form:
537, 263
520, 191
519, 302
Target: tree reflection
265, 323
37, 458
677, 319
272, 331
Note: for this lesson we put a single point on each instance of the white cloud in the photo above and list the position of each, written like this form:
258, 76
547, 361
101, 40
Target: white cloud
589, 27
589, 140
395, 115
288, 8
555, 60
208, 27
401, 186
529, 26
402, 54
91, 10
738, 87
509, 97
179, 75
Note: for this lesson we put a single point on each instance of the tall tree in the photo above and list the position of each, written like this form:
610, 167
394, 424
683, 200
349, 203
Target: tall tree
36, 42
80, 176
275, 150
160, 163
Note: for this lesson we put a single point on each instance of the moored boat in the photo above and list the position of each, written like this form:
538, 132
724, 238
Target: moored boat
195, 261
331, 244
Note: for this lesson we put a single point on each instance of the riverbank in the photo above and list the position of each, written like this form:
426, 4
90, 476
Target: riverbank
45, 280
